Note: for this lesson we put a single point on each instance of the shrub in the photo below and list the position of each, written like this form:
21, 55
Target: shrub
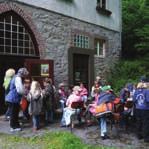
128, 71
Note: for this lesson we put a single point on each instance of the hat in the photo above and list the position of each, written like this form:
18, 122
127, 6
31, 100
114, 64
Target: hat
23, 72
106, 88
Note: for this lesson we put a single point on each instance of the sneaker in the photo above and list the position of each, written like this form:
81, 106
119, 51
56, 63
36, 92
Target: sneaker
18, 129
140, 137
146, 140
7, 118
105, 137
12, 130
34, 129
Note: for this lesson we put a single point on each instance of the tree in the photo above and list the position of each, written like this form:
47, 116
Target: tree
135, 33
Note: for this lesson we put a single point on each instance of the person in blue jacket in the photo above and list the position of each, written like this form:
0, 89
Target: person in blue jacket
14, 96
141, 100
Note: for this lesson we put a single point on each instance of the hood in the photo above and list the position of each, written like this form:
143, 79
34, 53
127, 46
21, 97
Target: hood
6, 82
36, 95
22, 72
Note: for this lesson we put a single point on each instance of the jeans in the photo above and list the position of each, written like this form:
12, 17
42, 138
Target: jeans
62, 104
103, 126
49, 116
142, 123
25, 113
67, 115
8, 112
35, 119
84, 98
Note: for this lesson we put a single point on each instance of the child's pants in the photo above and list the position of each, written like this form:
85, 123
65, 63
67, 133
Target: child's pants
103, 126
35, 119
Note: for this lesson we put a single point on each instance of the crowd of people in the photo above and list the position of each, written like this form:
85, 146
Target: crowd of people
33, 98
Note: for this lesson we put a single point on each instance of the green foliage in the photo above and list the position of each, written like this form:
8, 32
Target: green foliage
53, 140
128, 72
135, 33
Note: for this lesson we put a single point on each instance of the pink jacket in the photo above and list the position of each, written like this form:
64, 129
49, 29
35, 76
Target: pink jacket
73, 98
83, 91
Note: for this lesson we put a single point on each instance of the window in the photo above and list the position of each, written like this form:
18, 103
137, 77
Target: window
14, 37
81, 41
99, 47
102, 3
102, 7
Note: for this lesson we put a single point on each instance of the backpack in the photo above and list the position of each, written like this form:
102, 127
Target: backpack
8, 86
103, 109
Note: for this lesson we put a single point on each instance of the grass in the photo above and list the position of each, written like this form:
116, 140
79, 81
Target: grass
52, 140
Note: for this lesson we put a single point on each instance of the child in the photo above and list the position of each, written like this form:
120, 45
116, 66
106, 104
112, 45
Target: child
83, 92
62, 95
48, 99
105, 96
95, 89
35, 98
24, 103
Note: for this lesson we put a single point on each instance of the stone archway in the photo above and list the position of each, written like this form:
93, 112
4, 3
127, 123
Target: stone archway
6, 7
11, 60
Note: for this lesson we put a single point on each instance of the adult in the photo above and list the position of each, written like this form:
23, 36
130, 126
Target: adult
141, 100
69, 111
35, 97
14, 96
7, 79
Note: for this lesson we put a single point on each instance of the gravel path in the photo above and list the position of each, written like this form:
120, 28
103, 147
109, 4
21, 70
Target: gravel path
90, 135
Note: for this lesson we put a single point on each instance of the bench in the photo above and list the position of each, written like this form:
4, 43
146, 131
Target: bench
78, 106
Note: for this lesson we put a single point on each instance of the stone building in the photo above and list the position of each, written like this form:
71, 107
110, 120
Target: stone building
81, 37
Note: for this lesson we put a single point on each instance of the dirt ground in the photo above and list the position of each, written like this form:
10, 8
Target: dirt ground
119, 138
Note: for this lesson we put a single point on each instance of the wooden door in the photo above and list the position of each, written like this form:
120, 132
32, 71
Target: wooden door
7, 62
39, 69
80, 69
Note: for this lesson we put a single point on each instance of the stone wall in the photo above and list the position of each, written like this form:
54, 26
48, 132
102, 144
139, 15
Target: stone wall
56, 29
83, 10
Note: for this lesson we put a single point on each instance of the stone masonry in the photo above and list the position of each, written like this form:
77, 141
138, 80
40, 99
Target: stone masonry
55, 30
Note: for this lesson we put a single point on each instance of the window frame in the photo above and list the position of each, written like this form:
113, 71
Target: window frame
14, 41
81, 40
102, 7
97, 50
102, 3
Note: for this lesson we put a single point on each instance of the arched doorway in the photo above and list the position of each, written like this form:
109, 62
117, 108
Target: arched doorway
17, 43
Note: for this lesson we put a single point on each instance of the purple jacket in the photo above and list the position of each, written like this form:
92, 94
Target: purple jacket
141, 99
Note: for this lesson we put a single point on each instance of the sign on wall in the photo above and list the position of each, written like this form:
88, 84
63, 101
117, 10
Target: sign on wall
44, 69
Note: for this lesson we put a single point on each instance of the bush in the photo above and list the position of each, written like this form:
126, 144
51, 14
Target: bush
128, 71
